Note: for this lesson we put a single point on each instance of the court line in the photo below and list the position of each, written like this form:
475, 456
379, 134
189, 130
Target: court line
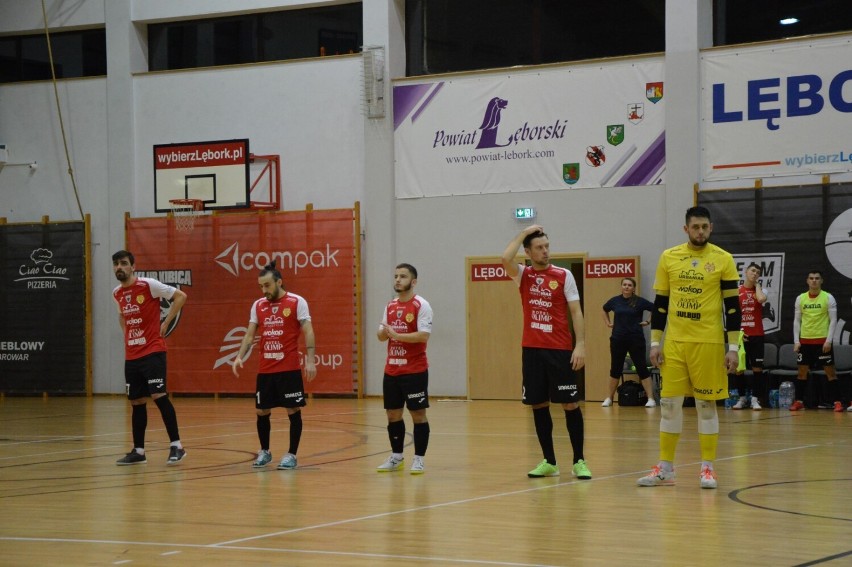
429, 558
482, 498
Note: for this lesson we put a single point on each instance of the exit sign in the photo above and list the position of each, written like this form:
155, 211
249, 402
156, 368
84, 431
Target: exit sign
524, 213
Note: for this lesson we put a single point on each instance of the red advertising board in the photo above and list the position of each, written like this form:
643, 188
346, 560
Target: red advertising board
217, 265
611, 268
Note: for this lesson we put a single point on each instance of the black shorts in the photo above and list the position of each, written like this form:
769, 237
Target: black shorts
279, 390
145, 376
812, 356
548, 376
411, 390
753, 351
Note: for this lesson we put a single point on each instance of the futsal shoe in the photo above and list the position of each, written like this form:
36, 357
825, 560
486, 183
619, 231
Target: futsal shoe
391, 464
288, 462
708, 477
264, 457
417, 465
176, 455
544, 469
132, 458
657, 477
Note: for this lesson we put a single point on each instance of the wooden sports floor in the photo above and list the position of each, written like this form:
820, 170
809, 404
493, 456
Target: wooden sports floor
784, 496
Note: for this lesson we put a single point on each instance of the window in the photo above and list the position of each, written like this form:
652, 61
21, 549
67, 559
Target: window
447, 35
271, 36
75, 54
736, 21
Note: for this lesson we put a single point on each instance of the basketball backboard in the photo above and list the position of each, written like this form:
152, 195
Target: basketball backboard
215, 172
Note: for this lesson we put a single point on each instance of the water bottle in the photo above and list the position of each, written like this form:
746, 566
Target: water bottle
731, 401
773, 398
786, 394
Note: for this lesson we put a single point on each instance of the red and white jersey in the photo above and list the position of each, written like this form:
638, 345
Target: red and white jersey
280, 323
752, 309
139, 305
414, 315
544, 298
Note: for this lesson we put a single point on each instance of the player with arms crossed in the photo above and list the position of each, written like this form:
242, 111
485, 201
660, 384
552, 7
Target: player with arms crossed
695, 282
138, 302
550, 357
281, 317
407, 326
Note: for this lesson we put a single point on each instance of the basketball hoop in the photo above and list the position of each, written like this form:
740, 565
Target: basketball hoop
184, 212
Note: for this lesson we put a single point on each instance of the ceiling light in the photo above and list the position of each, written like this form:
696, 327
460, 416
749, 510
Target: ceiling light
788, 21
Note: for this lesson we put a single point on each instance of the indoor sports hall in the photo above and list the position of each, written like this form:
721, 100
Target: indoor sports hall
344, 139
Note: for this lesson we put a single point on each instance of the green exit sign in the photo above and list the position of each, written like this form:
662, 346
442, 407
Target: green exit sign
524, 213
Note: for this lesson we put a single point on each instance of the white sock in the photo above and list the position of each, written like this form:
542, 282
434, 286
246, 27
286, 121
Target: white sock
139, 450
176, 444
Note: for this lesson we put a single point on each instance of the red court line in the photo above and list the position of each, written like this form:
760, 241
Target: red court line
731, 165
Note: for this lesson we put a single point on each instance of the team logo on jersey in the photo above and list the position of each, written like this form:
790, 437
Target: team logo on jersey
694, 263
286, 311
399, 313
275, 310
409, 317
553, 285
709, 267
538, 281
140, 299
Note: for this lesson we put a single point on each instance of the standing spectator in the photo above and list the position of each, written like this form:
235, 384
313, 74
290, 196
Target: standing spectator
696, 283
138, 302
281, 317
550, 357
407, 326
752, 299
814, 320
628, 337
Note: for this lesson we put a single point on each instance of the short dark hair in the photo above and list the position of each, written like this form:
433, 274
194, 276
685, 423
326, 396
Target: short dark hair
699, 212
124, 254
270, 269
411, 269
530, 237
816, 272
755, 265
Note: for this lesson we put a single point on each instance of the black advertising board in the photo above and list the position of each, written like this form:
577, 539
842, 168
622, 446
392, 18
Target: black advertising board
43, 308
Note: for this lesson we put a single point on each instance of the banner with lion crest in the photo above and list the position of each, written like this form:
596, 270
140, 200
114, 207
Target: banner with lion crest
579, 126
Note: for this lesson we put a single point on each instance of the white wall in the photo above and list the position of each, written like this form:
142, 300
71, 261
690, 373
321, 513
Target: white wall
308, 112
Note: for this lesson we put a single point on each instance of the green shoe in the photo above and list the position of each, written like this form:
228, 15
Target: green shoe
544, 469
581, 471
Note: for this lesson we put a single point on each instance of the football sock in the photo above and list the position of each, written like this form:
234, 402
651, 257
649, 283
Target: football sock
396, 434
139, 422
295, 431
574, 423
167, 410
668, 444
264, 426
421, 438
708, 443
544, 430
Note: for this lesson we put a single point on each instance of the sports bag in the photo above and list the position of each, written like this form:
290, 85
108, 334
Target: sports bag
631, 393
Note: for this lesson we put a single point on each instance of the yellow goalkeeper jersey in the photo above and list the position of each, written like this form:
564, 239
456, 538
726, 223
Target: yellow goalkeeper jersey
693, 280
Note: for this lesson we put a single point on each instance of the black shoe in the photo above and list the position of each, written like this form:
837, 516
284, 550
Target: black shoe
132, 458
175, 455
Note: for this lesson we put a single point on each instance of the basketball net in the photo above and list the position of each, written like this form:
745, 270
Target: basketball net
184, 213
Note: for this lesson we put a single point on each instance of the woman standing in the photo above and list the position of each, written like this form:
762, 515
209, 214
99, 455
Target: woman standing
628, 337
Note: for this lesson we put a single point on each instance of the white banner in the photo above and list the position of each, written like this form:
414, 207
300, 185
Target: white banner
574, 127
777, 110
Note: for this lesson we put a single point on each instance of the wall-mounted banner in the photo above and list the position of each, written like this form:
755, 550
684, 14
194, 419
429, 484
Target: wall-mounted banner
581, 126
217, 266
776, 110
43, 308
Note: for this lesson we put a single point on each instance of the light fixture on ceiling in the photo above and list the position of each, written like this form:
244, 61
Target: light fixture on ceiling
788, 21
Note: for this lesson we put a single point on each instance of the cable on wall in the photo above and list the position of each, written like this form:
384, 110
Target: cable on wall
59, 111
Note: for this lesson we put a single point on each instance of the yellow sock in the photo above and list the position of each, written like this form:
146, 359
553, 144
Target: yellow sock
708, 443
668, 444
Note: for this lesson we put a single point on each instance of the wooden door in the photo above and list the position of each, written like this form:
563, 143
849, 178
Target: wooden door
494, 324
